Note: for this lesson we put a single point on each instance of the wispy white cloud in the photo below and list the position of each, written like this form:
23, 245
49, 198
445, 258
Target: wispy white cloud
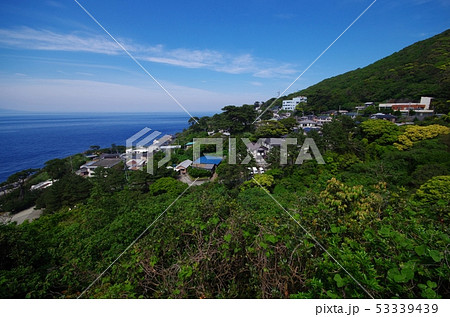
84, 74
278, 71
421, 2
86, 95
36, 39
28, 38
20, 75
55, 4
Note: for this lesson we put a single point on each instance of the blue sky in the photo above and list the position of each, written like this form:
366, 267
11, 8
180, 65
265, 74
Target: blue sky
207, 54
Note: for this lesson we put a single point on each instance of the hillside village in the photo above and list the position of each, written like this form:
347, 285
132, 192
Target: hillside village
136, 157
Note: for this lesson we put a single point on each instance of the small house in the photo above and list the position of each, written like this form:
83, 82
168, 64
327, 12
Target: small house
88, 168
383, 116
183, 166
307, 124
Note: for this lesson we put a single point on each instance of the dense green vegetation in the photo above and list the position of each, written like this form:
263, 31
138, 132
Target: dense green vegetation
422, 69
380, 211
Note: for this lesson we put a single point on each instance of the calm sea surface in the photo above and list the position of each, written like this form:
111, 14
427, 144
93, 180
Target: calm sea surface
29, 140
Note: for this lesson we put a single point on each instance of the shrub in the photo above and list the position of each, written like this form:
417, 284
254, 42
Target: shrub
198, 172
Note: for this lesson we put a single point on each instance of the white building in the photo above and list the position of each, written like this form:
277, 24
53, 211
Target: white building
289, 105
307, 124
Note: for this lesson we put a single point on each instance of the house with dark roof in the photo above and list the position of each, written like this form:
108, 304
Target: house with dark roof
383, 116
324, 119
352, 115
109, 156
88, 168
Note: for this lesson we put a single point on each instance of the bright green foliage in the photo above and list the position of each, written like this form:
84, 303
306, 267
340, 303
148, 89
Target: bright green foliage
414, 134
354, 200
435, 190
217, 245
167, 185
260, 180
435, 193
380, 131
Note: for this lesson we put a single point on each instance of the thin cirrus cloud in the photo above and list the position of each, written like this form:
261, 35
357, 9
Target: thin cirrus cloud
79, 95
37, 39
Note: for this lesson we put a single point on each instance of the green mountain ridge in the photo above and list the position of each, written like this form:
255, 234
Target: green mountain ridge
421, 69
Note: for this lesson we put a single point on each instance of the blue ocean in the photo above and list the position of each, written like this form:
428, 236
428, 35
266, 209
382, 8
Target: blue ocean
29, 140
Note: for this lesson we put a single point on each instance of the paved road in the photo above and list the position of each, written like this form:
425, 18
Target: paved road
28, 214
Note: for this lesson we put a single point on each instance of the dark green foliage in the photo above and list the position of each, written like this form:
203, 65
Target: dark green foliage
139, 180
338, 135
108, 180
238, 119
56, 168
289, 123
271, 129
233, 119
67, 192
198, 172
232, 175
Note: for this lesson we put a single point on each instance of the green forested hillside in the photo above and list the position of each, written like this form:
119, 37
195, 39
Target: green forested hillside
422, 69
380, 206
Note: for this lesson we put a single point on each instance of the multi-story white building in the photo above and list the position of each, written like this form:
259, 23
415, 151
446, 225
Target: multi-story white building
289, 105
